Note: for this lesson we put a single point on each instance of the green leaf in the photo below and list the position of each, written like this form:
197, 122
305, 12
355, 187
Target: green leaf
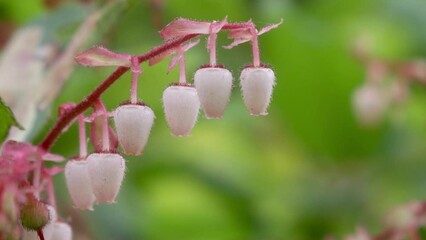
7, 120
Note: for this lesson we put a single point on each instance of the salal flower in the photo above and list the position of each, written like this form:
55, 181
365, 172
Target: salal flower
133, 123
61, 231
181, 106
106, 171
370, 104
256, 85
79, 184
214, 85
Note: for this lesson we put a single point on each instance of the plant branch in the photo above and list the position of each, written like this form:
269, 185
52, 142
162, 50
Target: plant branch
64, 120
86, 103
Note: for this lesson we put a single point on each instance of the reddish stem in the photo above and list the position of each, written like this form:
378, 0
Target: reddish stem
65, 119
40, 234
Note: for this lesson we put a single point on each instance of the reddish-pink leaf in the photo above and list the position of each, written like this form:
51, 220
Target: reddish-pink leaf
181, 27
179, 55
100, 56
215, 26
269, 28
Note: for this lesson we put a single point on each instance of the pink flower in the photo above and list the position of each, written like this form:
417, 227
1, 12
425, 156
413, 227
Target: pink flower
181, 106
133, 124
214, 87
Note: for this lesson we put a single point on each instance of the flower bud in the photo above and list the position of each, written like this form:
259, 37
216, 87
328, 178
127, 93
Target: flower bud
34, 214
106, 171
213, 86
256, 85
181, 106
133, 124
29, 234
370, 104
61, 231
79, 184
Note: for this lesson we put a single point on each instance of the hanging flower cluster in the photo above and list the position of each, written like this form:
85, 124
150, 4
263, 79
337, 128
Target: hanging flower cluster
97, 177
386, 84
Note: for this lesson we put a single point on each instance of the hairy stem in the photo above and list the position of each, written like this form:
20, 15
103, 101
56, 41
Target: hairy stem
182, 70
135, 77
212, 49
82, 136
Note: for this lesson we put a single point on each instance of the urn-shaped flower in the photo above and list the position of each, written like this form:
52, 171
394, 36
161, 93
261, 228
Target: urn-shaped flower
213, 86
61, 231
79, 184
370, 104
133, 124
106, 171
256, 85
181, 106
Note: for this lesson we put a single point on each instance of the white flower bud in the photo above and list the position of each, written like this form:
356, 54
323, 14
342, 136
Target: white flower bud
370, 104
214, 89
133, 124
106, 171
79, 184
61, 231
181, 106
256, 85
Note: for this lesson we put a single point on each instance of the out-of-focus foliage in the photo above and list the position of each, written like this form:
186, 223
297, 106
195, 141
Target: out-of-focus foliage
305, 171
7, 120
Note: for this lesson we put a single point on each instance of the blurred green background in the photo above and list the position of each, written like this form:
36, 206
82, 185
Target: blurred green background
305, 171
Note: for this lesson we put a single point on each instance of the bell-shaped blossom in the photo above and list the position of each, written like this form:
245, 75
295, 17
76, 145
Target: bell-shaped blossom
133, 124
79, 184
181, 106
256, 85
61, 231
106, 171
214, 87
370, 104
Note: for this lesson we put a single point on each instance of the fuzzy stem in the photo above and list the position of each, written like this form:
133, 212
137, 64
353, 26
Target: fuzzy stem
182, 69
212, 49
255, 48
82, 136
135, 77
99, 106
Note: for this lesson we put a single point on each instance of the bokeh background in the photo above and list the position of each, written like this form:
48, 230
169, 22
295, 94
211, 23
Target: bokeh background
306, 171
